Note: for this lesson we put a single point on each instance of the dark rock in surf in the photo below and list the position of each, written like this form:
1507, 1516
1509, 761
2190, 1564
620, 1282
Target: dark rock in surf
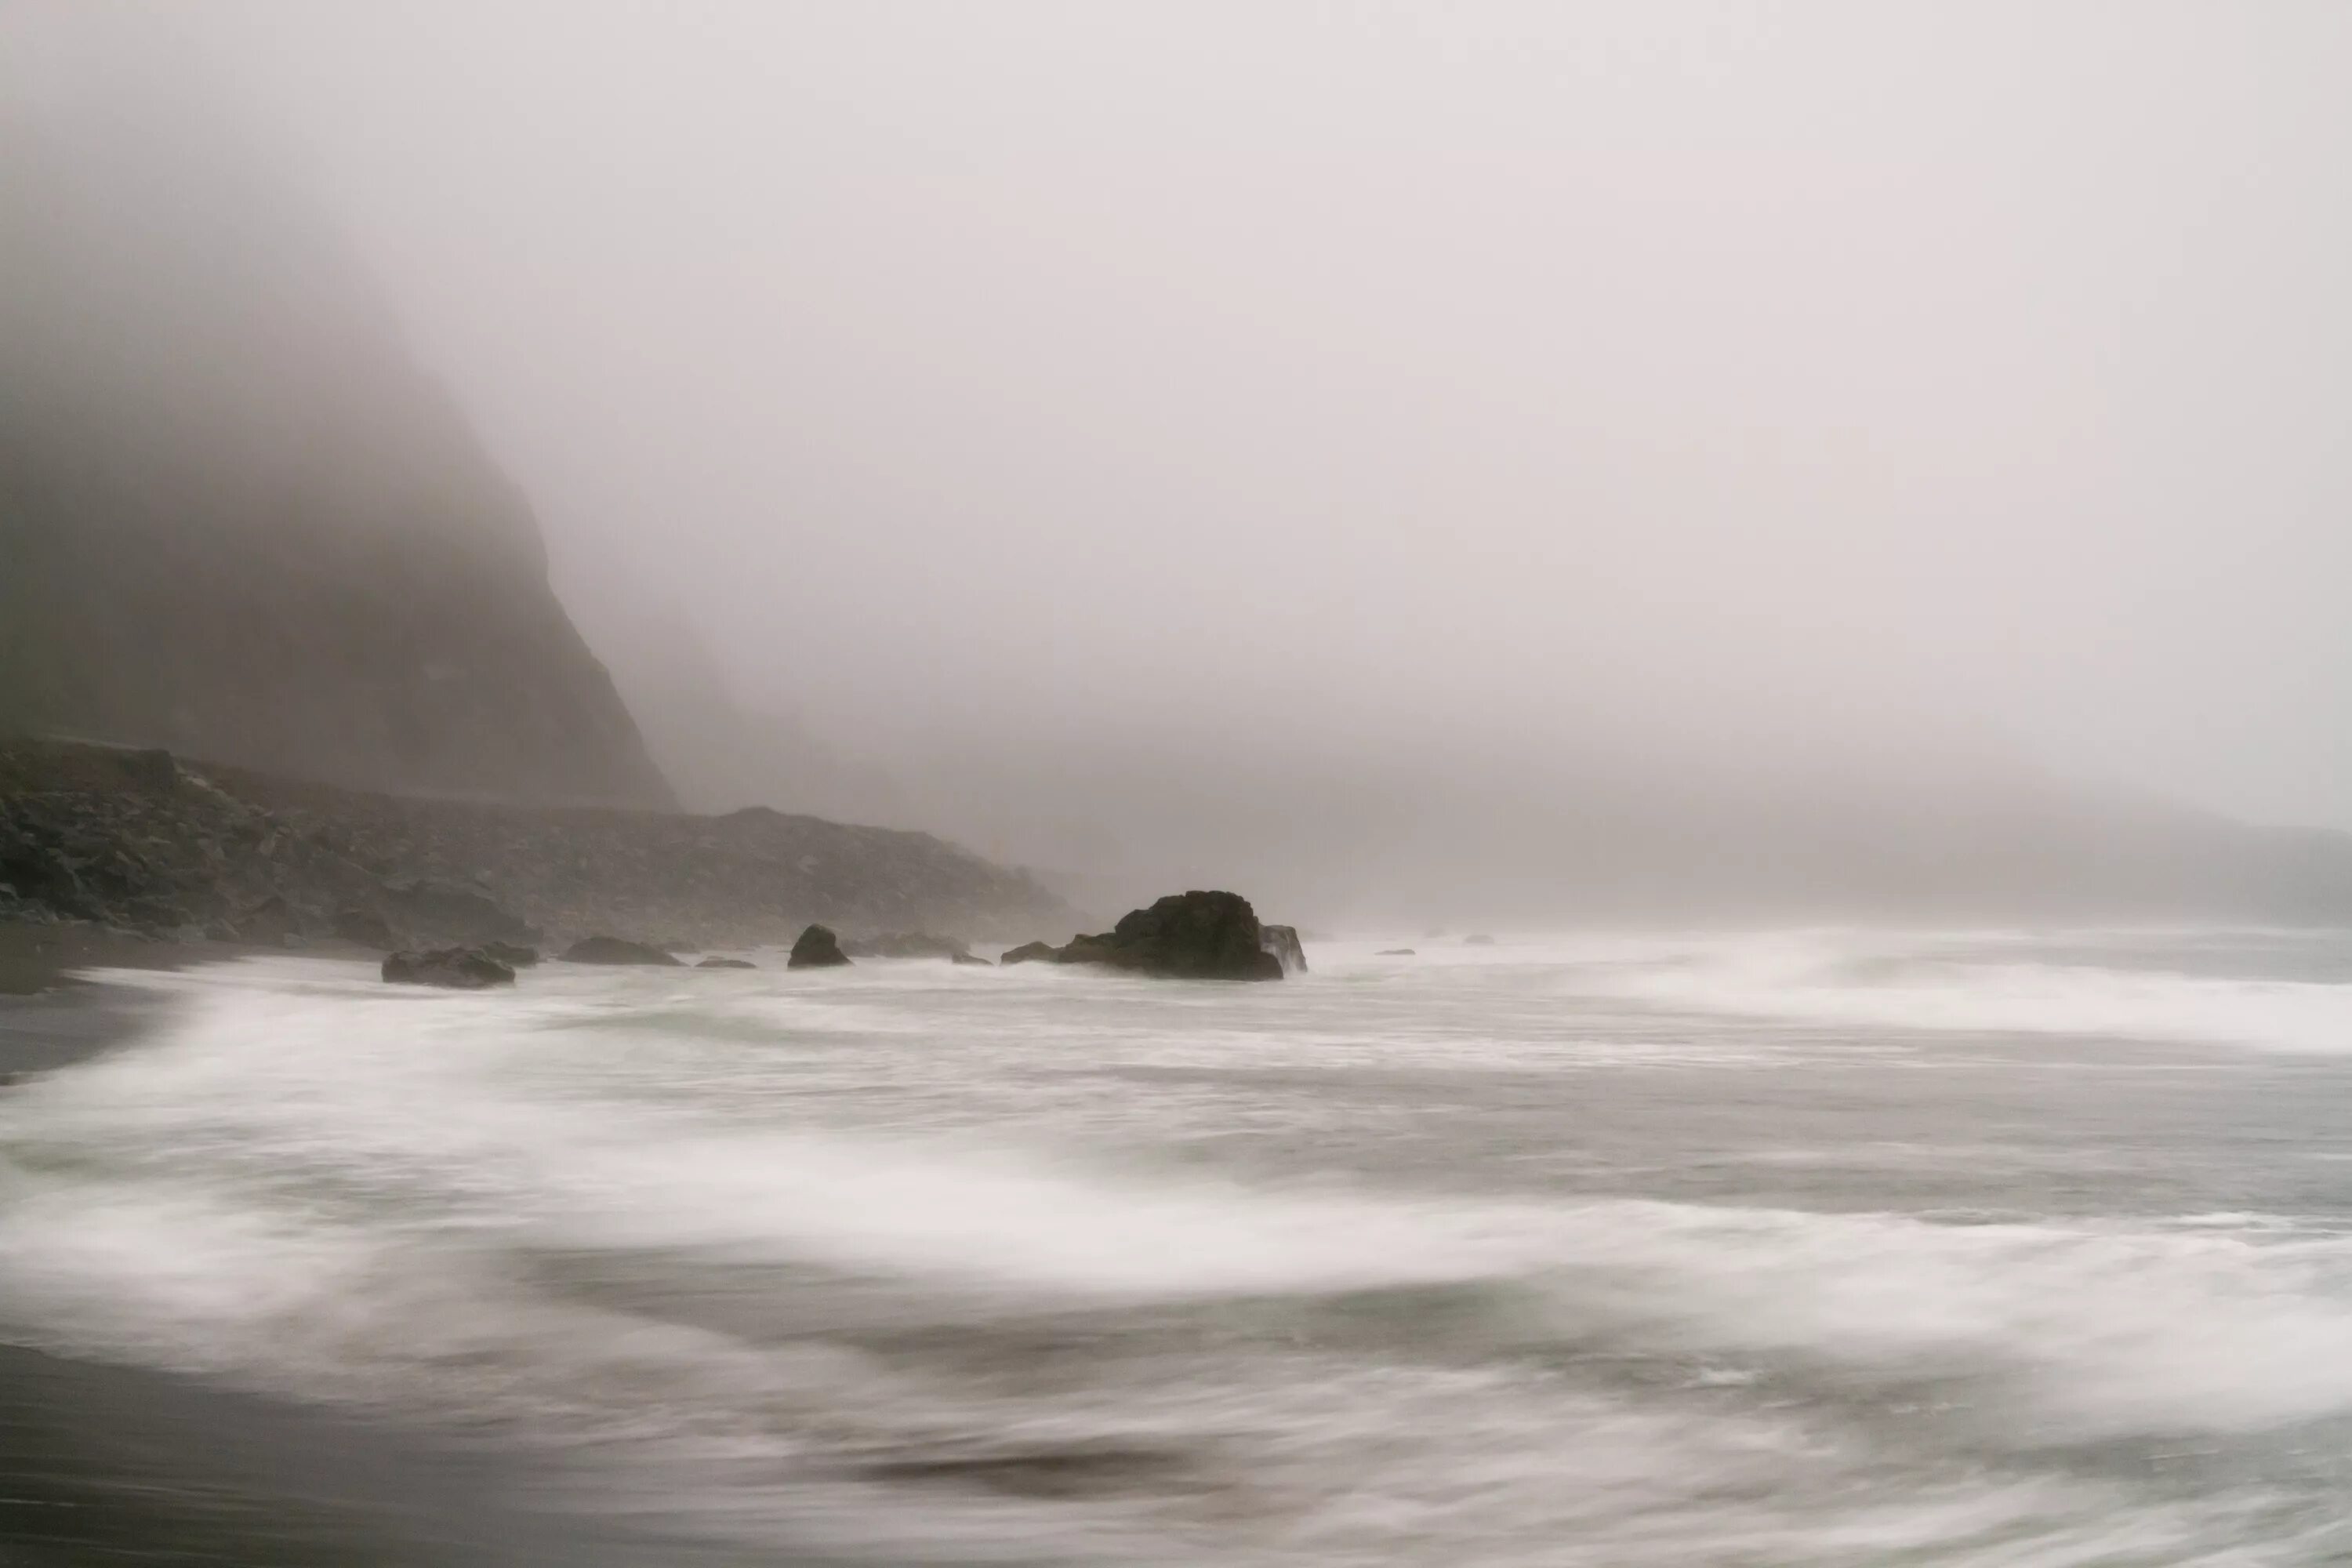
971, 958
1283, 942
1394, 952
512, 955
726, 964
456, 968
1480, 939
817, 947
1192, 935
1032, 953
614, 950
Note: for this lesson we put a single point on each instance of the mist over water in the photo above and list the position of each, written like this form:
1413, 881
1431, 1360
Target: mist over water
1820, 1246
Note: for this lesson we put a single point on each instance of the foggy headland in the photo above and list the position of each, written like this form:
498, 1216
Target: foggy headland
1577, 469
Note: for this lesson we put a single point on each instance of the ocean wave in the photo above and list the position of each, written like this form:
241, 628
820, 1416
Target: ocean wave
1860, 979
606, 1216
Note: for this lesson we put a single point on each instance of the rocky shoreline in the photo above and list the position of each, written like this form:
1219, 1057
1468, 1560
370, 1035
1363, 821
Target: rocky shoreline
146, 843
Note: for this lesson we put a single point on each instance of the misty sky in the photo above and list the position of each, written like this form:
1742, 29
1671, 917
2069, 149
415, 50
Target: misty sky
1741, 374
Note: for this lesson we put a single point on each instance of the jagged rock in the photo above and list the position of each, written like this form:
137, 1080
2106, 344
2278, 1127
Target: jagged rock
1032, 953
1194, 935
365, 927
907, 944
513, 955
817, 947
1394, 952
614, 950
1283, 942
458, 968
726, 964
46, 875
971, 958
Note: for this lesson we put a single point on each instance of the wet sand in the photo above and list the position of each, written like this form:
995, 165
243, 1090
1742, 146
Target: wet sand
43, 958
113, 1465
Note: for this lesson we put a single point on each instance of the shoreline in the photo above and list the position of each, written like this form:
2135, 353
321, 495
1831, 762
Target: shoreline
103, 1462
52, 1015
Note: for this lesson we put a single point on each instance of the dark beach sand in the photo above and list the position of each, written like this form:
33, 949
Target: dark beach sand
109, 1465
113, 1465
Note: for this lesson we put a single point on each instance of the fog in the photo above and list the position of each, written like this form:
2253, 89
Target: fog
1199, 439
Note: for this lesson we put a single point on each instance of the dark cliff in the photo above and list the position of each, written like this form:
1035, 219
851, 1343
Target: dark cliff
237, 520
173, 847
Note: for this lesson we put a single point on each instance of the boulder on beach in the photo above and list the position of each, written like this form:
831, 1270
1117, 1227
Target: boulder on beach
457, 968
726, 964
1194, 935
614, 950
817, 947
1283, 942
1032, 953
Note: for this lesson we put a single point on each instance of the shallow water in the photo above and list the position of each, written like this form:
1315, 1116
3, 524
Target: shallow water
1814, 1247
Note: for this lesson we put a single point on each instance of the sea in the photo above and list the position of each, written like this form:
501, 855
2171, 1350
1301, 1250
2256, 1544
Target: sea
2007, 1248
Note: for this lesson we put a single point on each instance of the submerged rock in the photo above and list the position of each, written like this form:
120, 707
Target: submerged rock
614, 950
1032, 953
1480, 939
1394, 952
458, 968
1283, 942
1194, 935
817, 947
726, 964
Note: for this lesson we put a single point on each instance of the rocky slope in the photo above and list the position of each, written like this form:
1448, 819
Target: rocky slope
237, 519
145, 841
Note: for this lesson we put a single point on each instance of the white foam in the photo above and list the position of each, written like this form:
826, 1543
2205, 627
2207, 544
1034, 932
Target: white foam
306, 1177
1856, 978
262, 1164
